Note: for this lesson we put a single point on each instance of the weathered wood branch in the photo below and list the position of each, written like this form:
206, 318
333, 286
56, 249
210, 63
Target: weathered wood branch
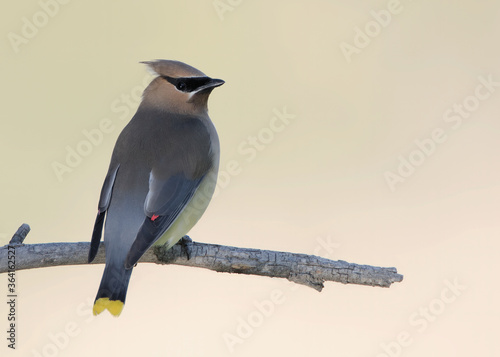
309, 270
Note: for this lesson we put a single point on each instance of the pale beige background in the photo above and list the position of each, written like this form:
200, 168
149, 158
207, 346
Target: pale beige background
317, 187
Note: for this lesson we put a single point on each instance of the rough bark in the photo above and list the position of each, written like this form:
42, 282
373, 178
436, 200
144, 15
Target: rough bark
309, 270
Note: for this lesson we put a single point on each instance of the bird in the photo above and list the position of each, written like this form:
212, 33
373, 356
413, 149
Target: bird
161, 177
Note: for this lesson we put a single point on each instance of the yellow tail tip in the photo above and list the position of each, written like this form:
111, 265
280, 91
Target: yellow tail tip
115, 307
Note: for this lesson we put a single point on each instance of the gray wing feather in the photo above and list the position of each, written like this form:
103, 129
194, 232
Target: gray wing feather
107, 188
178, 190
104, 200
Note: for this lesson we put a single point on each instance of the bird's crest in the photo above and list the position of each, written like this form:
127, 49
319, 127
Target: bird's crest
174, 69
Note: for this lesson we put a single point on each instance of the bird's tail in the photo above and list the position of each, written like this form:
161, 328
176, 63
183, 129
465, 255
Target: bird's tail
113, 289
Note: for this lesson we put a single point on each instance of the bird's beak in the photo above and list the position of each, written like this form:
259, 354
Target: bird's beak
210, 85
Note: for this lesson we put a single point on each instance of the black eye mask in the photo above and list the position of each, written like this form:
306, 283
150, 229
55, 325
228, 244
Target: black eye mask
187, 84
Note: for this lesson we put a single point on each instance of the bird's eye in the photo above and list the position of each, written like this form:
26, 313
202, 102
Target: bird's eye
181, 86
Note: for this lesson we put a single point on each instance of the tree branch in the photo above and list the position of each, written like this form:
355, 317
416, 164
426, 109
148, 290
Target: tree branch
309, 270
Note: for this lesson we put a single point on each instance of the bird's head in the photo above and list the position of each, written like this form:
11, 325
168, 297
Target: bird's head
178, 87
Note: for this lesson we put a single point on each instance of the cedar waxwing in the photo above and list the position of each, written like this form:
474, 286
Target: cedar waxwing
161, 177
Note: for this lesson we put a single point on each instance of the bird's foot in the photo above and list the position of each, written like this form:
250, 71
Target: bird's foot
186, 245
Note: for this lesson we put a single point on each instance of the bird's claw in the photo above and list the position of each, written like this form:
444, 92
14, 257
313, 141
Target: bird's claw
186, 243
